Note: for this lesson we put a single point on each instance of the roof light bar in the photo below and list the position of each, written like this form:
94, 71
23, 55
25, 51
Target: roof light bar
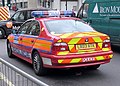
51, 13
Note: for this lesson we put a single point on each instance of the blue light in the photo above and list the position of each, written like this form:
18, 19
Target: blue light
51, 13
68, 13
37, 13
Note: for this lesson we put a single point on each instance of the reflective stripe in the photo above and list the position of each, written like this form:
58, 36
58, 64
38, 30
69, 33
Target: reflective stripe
43, 45
76, 60
100, 58
59, 41
1, 18
71, 47
105, 49
66, 35
100, 45
74, 41
4, 13
97, 39
63, 53
111, 56
60, 61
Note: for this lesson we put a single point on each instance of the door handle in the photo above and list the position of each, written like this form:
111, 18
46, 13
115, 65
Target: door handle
32, 41
20, 39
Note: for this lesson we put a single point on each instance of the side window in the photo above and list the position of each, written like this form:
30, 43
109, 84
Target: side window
29, 15
21, 16
83, 12
34, 29
24, 27
15, 16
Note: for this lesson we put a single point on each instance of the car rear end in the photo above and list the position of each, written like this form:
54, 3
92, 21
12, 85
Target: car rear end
76, 44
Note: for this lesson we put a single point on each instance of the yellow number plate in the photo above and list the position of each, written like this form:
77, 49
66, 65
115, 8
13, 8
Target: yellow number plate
86, 46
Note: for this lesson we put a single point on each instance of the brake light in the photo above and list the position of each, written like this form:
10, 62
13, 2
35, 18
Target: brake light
106, 43
59, 47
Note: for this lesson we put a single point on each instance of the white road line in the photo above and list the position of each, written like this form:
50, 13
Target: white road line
3, 77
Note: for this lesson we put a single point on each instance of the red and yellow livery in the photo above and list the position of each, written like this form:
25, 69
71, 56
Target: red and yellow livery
57, 46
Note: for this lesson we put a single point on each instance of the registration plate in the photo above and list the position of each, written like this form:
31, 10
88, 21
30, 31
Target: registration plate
86, 46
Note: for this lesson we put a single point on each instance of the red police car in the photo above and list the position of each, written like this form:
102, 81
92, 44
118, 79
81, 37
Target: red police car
53, 40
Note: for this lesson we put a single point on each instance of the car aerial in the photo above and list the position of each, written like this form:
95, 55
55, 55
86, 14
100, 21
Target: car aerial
56, 40
16, 20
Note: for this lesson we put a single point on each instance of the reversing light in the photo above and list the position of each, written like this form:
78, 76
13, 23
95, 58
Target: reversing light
107, 40
59, 47
60, 44
106, 43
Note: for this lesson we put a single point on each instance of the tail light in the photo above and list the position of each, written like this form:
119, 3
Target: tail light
106, 43
59, 47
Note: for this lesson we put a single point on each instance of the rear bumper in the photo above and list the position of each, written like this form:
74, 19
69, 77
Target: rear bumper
70, 61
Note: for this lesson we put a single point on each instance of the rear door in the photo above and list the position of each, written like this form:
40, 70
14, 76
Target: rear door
30, 38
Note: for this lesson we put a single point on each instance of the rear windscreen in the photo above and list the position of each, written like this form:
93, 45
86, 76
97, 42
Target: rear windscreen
67, 26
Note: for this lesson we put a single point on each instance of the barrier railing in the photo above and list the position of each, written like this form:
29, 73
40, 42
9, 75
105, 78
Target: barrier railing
12, 76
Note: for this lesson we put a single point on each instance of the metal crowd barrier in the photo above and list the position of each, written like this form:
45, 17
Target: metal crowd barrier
12, 76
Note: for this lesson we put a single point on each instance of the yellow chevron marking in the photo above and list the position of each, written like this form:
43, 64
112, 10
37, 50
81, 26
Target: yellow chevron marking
100, 45
74, 41
66, 35
5, 10
111, 56
63, 53
100, 58
105, 49
1, 17
79, 35
76, 60
60, 61
59, 41
71, 47
97, 39
4, 13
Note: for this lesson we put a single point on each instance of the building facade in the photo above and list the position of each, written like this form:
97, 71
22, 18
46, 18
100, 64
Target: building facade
57, 4
54, 4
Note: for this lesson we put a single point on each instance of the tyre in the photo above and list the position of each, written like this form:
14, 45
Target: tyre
38, 64
9, 50
93, 67
2, 33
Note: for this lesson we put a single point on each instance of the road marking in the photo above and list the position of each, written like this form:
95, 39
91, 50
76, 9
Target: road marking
3, 77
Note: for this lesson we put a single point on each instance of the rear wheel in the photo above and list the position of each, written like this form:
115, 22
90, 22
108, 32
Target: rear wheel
2, 33
93, 67
9, 50
37, 64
